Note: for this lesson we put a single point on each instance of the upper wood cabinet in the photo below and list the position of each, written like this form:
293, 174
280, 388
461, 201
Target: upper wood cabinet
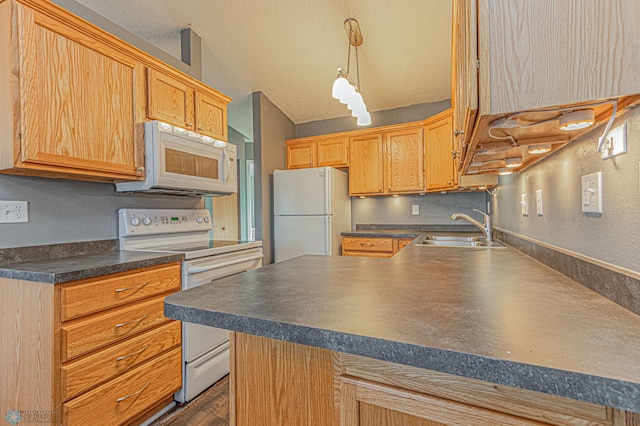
318, 152
528, 62
441, 169
404, 170
389, 162
71, 106
176, 102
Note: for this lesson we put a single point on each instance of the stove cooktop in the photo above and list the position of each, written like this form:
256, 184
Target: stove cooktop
197, 249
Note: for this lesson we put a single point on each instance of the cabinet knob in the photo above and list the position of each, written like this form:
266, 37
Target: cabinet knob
457, 132
455, 154
380, 189
140, 169
200, 129
189, 124
389, 188
449, 182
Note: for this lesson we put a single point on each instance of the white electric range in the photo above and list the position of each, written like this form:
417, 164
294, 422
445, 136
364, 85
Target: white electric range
205, 350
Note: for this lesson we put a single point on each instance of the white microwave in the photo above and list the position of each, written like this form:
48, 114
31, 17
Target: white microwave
181, 162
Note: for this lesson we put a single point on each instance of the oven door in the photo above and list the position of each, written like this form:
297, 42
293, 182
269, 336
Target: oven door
198, 339
185, 163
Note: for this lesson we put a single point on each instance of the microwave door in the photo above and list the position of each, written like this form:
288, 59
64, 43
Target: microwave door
187, 164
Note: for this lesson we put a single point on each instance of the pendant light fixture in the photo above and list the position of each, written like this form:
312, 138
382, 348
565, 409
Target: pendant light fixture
344, 87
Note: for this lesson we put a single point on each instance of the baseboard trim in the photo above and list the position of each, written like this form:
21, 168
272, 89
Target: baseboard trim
620, 285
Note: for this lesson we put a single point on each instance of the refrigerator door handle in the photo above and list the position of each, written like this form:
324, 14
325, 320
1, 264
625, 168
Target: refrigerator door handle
329, 235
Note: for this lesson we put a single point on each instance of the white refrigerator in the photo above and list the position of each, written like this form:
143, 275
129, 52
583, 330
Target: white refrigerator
311, 208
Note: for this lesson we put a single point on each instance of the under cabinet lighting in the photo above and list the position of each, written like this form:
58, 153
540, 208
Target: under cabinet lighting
576, 120
164, 127
539, 149
362, 196
513, 162
219, 144
179, 130
505, 171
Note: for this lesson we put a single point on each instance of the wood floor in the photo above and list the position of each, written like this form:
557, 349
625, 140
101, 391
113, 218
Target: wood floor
211, 408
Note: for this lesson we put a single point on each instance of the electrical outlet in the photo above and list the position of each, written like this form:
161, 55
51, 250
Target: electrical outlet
524, 204
415, 209
14, 211
592, 193
616, 142
539, 202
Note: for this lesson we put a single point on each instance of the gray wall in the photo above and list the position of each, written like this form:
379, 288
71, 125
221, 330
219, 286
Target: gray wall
271, 127
378, 118
614, 236
435, 209
62, 211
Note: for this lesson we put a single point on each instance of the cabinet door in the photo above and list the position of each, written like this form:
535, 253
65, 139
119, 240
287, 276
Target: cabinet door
441, 171
301, 155
211, 116
366, 165
372, 404
333, 152
82, 105
170, 100
405, 160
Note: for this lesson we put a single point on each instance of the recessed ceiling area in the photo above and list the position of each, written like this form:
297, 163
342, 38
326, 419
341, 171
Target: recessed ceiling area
290, 50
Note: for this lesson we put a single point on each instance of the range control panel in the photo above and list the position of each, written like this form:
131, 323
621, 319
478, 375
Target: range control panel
162, 221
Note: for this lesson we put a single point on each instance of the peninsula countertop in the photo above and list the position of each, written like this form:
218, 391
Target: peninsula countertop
490, 314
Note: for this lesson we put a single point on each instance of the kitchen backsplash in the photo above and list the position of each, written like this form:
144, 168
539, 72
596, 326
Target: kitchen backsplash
433, 208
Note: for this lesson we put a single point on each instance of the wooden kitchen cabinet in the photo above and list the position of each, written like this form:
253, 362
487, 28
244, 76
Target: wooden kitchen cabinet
530, 62
366, 168
323, 387
318, 152
72, 102
390, 162
176, 102
441, 173
97, 350
373, 246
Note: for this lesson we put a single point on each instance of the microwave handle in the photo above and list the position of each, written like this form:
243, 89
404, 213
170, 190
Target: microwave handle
227, 165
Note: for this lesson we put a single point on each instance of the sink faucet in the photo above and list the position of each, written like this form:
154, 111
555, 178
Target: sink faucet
486, 227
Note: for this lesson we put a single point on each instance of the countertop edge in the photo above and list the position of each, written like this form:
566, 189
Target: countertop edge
90, 272
578, 386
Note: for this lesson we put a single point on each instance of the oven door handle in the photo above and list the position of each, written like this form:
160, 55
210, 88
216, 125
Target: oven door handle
198, 269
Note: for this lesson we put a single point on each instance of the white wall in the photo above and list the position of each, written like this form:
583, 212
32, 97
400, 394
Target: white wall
614, 236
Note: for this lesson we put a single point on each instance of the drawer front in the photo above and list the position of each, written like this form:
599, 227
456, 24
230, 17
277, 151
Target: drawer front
86, 334
89, 371
95, 295
368, 244
129, 395
367, 254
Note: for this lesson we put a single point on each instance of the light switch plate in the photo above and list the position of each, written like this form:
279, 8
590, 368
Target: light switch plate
524, 204
13, 212
592, 193
539, 202
415, 209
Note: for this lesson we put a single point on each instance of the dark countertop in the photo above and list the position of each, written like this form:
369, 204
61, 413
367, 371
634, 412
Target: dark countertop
71, 268
490, 314
406, 231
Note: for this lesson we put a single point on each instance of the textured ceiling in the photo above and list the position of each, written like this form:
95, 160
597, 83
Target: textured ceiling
290, 50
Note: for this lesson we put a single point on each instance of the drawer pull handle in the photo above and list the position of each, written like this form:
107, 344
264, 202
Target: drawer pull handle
120, 358
367, 244
122, 324
120, 290
133, 394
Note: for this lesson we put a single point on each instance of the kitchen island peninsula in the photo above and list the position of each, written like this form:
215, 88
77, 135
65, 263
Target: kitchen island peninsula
433, 335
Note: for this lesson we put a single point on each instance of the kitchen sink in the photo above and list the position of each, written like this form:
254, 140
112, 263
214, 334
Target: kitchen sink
454, 241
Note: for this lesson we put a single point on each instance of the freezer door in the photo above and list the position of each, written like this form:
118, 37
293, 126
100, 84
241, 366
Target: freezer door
298, 235
302, 192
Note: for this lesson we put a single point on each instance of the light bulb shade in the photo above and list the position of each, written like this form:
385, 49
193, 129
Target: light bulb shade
354, 101
358, 110
364, 119
348, 94
340, 87
576, 120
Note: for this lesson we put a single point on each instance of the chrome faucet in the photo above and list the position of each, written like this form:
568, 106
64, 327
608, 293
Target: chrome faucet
486, 227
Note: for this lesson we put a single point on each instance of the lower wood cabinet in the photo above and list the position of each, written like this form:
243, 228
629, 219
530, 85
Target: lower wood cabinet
373, 247
275, 382
97, 351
